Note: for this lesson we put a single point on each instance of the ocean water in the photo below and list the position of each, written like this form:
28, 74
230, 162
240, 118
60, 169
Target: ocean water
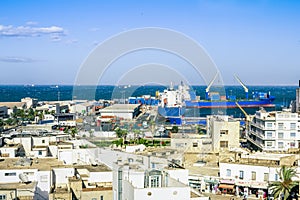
283, 94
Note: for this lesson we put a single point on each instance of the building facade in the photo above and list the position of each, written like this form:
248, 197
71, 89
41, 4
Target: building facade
275, 131
224, 132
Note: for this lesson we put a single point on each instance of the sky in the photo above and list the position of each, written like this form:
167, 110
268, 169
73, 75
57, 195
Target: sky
48, 42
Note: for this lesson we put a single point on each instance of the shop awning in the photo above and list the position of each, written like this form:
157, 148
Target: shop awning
225, 186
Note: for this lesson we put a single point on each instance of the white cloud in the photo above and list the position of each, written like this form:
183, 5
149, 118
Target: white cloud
16, 59
29, 31
31, 23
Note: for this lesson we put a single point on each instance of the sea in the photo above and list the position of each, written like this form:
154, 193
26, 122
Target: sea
14, 93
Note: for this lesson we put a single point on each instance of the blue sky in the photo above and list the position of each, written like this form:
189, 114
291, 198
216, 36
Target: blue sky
46, 42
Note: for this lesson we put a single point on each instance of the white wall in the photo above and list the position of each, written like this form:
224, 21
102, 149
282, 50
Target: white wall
44, 183
236, 168
53, 150
100, 177
165, 193
79, 156
61, 175
35, 153
31, 174
66, 155
10, 151
182, 175
26, 142
43, 141
121, 115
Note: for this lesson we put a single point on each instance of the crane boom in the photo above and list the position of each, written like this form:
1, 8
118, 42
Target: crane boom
209, 85
243, 85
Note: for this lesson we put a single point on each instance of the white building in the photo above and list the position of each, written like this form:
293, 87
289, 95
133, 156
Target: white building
132, 181
275, 131
253, 173
125, 111
21, 171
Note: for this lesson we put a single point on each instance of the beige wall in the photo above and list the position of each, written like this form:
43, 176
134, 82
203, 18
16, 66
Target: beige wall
90, 194
232, 129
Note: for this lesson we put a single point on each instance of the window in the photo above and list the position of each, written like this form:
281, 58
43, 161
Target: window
43, 141
280, 135
154, 181
266, 176
40, 153
101, 197
269, 135
269, 125
292, 135
253, 176
269, 144
224, 144
223, 132
292, 144
280, 126
228, 172
241, 175
2, 196
10, 174
195, 144
280, 144
293, 126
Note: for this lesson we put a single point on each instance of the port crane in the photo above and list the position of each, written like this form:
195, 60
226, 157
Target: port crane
209, 85
243, 85
248, 118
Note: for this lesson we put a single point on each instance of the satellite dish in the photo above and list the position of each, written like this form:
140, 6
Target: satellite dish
24, 178
8, 141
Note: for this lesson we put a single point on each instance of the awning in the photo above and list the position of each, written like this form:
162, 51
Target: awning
225, 186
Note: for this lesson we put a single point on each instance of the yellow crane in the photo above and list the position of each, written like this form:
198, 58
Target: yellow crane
248, 117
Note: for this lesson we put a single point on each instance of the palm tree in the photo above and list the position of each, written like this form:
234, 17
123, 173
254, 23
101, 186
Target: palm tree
283, 187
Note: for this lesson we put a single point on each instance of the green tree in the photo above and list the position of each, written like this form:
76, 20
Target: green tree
66, 130
121, 133
174, 129
285, 184
73, 132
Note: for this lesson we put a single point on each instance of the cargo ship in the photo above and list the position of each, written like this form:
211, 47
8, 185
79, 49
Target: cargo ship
172, 103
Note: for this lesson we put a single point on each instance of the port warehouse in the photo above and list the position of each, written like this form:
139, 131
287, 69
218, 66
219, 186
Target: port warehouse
125, 111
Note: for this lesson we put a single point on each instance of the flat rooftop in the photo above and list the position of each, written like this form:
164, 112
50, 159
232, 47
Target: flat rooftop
42, 164
94, 168
12, 104
120, 108
19, 186
265, 156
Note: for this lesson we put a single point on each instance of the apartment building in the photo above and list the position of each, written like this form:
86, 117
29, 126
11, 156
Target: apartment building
275, 131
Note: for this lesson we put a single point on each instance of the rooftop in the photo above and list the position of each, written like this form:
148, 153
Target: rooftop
19, 186
94, 168
120, 108
12, 104
43, 164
